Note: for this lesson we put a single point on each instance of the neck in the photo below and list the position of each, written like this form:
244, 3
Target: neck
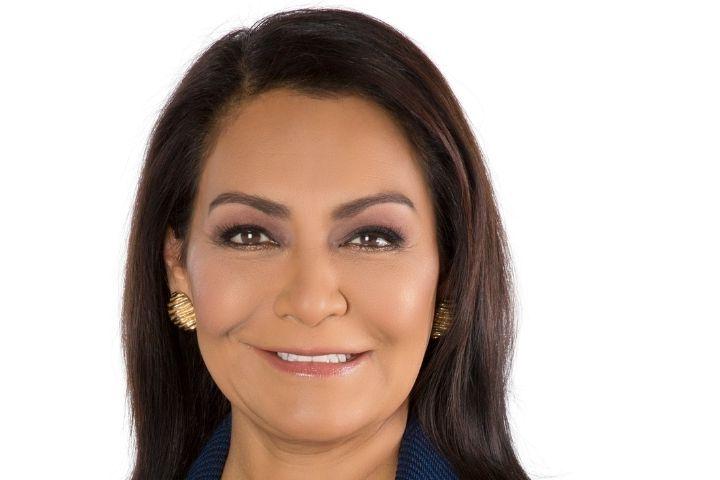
368, 454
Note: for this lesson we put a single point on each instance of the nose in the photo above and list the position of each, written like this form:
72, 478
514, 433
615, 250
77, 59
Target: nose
310, 292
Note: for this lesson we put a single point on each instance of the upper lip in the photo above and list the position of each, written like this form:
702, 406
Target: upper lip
309, 352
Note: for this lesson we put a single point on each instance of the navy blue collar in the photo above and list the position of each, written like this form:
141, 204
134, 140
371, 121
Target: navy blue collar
418, 458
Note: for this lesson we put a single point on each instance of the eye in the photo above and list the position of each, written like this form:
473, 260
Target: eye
389, 239
253, 237
245, 237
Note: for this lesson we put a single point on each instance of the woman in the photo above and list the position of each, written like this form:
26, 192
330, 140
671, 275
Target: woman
317, 282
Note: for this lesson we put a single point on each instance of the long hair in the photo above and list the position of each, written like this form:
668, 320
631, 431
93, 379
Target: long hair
459, 396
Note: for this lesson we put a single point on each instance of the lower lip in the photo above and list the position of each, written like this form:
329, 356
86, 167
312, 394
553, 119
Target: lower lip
314, 369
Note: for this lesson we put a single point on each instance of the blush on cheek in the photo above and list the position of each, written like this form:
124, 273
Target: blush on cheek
222, 302
396, 318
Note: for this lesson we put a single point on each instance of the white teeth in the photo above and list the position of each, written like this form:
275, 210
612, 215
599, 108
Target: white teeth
331, 358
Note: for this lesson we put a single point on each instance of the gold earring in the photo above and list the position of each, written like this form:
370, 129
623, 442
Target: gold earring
181, 311
443, 319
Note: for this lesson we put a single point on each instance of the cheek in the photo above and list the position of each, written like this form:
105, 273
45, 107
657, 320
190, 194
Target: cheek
398, 299
223, 294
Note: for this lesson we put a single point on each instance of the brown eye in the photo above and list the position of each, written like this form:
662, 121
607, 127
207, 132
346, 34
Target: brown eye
372, 240
249, 237
253, 237
376, 238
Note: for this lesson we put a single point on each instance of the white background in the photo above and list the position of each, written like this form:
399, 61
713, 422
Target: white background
600, 122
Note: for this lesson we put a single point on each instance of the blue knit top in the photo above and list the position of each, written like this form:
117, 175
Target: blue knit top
418, 458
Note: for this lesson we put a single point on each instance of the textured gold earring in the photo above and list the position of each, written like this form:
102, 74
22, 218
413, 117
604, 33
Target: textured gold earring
443, 319
181, 311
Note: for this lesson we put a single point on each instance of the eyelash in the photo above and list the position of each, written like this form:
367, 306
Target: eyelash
227, 232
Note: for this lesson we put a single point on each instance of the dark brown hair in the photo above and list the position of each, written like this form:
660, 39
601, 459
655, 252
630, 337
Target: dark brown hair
460, 394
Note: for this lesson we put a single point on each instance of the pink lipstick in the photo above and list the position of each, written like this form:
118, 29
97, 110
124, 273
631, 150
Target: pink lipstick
314, 369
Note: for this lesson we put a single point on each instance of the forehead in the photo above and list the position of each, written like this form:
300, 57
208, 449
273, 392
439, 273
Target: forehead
317, 152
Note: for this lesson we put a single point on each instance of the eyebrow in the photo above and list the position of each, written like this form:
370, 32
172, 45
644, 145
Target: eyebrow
342, 211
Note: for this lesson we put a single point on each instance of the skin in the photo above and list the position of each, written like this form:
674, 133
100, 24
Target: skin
312, 286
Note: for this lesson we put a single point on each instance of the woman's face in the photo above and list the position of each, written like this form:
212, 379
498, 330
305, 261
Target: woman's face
302, 280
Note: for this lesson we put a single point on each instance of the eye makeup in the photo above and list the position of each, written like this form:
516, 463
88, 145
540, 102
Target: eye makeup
391, 238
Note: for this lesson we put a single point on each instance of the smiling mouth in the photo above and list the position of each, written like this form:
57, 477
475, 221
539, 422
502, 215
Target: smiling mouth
330, 358
312, 366
314, 352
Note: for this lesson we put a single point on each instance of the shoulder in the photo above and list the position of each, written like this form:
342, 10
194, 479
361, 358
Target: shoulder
419, 458
211, 461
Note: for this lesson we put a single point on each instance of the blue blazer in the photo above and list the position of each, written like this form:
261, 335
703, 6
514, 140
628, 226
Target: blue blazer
418, 458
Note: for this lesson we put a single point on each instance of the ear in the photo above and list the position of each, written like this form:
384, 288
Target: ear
176, 273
